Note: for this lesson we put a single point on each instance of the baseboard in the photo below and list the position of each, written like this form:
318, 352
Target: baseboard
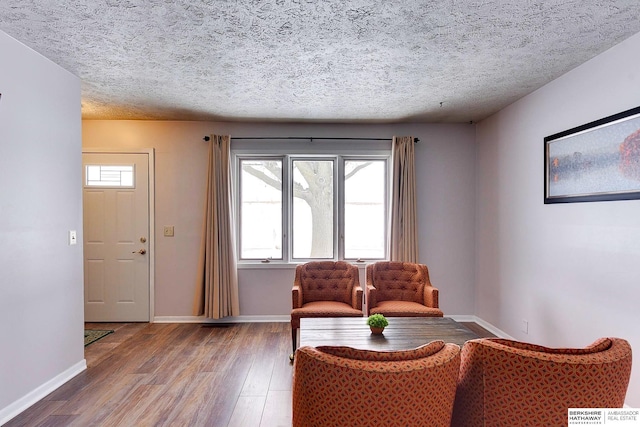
39, 393
489, 327
462, 318
232, 319
475, 319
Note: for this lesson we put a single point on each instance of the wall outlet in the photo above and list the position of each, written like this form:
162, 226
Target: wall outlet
168, 231
73, 237
525, 326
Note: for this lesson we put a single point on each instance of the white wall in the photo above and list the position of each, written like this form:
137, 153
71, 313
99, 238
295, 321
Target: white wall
446, 176
571, 270
41, 309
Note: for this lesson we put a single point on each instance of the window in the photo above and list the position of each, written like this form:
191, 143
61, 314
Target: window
294, 208
312, 213
364, 209
261, 209
109, 176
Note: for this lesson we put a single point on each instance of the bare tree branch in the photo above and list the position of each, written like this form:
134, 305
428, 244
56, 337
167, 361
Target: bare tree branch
302, 193
355, 170
310, 171
273, 182
299, 190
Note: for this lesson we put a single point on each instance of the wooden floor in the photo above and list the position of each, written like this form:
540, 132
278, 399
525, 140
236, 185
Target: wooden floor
178, 374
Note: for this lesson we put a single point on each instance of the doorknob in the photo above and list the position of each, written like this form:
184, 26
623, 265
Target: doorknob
141, 252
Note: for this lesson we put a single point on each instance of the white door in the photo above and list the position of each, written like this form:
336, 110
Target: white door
116, 236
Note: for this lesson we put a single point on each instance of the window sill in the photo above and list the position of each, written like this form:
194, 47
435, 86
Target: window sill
288, 265
264, 265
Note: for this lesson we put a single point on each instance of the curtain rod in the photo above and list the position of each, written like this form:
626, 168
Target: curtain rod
311, 138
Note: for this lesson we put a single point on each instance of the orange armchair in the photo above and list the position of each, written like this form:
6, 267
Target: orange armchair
342, 386
401, 289
324, 289
510, 383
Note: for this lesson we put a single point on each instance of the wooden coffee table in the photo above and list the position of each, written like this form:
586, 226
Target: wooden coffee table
403, 333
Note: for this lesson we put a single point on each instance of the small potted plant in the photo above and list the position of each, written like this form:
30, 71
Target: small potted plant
376, 323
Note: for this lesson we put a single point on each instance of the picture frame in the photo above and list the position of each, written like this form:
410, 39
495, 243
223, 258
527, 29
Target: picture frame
598, 161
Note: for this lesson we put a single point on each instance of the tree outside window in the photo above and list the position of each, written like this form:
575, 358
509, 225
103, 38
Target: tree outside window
362, 214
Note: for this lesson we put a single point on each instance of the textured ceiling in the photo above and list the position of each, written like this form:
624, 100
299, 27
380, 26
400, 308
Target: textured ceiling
308, 60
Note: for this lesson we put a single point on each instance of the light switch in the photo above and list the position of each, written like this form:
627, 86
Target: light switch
73, 237
168, 231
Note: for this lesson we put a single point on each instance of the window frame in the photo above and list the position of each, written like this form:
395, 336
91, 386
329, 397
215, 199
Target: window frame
288, 153
237, 185
336, 213
342, 203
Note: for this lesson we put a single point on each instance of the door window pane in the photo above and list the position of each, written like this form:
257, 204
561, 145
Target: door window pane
260, 209
109, 176
364, 209
313, 209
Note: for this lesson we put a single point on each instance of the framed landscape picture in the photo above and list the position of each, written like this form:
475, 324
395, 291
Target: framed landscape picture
594, 162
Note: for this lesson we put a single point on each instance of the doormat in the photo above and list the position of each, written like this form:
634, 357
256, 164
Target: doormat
93, 335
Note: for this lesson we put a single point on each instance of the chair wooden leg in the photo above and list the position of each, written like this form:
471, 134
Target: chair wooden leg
294, 339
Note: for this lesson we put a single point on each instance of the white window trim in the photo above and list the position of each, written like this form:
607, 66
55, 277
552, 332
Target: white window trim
288, 151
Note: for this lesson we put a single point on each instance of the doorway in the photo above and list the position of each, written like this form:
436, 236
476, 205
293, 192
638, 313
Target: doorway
118, 243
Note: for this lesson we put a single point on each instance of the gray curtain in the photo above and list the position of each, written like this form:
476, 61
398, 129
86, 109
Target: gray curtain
217, 287
403, 230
